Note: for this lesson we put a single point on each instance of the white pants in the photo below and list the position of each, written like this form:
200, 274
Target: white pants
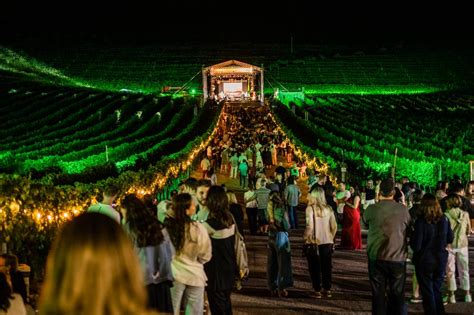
233, 171
459, 258
193, 298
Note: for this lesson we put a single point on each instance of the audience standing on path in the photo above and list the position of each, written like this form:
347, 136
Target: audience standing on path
193, 249
262, 194
9, 267
202, 220
387, 242
92, 270
221, 270
106, 205
351, 237
202, 212
321, 228
431, 236
10, 303
279, 270
292, 196
251, 209
205, 166
154, 250
458, 253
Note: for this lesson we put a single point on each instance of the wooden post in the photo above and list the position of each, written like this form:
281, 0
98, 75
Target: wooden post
471, 170
343, 171
394, 163
204, 84
262, 96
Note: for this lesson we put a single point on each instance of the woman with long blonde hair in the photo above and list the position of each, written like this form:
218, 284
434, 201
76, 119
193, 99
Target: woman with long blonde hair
321, 228
93, 270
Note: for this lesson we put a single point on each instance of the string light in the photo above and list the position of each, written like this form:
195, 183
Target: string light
43, 217
312, 162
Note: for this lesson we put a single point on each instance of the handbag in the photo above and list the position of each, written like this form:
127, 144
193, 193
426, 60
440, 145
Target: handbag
311, 249
240, 254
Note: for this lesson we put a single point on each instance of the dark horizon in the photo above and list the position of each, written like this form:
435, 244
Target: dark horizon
210, 22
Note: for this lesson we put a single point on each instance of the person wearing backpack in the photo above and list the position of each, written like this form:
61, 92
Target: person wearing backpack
458, 254
279, 272
221, 270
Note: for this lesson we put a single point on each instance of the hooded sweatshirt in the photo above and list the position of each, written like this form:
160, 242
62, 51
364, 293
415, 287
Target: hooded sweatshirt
461, 226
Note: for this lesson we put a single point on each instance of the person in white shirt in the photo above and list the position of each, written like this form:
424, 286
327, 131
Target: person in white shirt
321, 228
193, 249
205, 166
105, 206
251, 208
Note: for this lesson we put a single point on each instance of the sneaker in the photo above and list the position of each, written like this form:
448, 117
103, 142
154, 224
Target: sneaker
445, 300
416, 300
452, 299
468, 298
317, 294
328, 293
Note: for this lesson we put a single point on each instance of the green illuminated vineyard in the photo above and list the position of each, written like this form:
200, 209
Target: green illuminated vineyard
319, 69
432, 133
76, 119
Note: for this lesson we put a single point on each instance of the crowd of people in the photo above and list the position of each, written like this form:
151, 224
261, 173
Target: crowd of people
149, 257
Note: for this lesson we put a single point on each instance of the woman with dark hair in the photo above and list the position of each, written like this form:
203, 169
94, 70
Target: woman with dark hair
15, 276
399, 196
10, 303
432, 234
193, 250
221, 270
279, 272
154, 250
236, 210
351, 237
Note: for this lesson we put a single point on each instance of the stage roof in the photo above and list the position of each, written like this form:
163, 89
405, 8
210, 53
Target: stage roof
232, 67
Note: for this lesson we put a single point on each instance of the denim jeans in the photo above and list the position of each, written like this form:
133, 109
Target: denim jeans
243, 181
391, 273
292, 216
193, 298
430, 278
279, 272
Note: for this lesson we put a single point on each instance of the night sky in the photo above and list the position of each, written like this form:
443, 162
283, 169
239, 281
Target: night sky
212, 21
